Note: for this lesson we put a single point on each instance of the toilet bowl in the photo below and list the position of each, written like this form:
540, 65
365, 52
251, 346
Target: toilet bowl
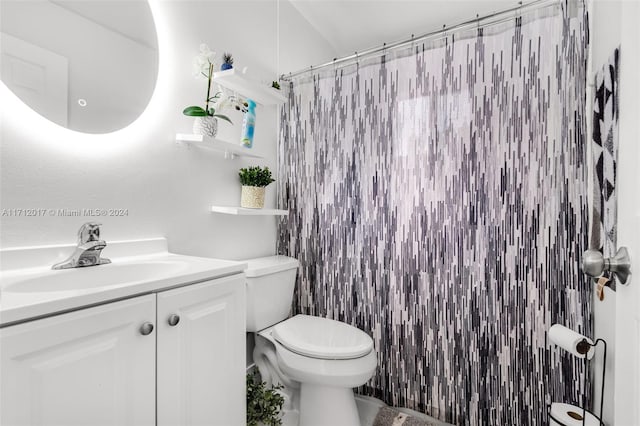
318, 360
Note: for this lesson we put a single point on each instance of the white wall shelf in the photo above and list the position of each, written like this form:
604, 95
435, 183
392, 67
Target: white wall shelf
241, 211
258, 92
229, 149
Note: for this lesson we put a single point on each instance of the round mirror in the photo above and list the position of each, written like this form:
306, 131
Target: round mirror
87, 65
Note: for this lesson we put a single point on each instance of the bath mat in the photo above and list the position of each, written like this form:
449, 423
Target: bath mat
388, 416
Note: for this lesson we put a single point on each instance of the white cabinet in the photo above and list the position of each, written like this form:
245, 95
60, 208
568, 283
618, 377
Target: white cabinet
201, 358
95, 366
89, 367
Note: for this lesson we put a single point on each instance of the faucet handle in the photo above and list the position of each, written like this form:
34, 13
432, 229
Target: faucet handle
90, 231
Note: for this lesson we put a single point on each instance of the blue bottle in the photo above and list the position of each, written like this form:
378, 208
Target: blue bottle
249, 124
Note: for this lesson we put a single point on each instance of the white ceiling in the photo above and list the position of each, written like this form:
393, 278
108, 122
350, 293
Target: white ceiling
356, 25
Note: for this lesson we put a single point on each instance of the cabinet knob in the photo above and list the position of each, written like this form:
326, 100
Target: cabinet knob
146, 328
173, 320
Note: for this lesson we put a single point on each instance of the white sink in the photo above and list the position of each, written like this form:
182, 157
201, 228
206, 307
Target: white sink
91, 277
29, 288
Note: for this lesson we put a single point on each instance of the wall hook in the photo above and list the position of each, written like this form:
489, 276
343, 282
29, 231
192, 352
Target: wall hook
594, 264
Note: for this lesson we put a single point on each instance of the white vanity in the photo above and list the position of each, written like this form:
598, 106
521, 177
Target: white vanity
151, 338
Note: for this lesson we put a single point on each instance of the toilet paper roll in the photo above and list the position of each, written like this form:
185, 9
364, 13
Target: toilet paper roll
570, 415
568, 340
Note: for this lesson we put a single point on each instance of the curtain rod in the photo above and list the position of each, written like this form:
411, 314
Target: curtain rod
357, 55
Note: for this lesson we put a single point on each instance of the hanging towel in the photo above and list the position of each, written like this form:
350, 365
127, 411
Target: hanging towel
604, 146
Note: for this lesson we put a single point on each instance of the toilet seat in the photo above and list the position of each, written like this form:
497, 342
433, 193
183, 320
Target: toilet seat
322, 338
348, 373
328, 338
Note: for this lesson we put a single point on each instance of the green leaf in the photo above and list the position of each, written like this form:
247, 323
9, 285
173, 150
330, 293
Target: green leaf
255, 176
223, 117
263, 405
194, 111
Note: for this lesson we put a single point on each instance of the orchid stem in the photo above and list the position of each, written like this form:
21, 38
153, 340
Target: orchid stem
206, 106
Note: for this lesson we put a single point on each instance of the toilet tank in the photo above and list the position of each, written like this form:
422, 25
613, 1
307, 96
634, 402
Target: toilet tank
270, 284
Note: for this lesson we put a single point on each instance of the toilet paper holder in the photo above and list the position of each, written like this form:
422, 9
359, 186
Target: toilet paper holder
583, 346
594, 264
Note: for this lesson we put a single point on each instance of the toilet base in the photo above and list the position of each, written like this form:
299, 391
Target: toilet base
327, 406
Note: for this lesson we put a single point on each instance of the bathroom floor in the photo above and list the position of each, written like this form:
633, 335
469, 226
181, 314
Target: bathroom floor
368, 408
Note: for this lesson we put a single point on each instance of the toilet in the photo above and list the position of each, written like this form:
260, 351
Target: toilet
317, 360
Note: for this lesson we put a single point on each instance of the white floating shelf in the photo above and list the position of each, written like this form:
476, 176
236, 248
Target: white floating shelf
241, 211
229, 149
258, 92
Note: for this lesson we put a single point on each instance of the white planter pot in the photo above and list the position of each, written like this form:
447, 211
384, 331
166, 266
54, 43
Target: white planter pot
207, 126
252, 197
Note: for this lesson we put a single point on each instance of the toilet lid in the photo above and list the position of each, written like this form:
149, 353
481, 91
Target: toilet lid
322, 338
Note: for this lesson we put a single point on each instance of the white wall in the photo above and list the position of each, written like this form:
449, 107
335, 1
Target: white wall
605, 37
627, 320
167, 188
615, 23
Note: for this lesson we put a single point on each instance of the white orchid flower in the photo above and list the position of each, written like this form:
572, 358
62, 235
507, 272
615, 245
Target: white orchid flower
222, 102
203, 62
207, 53
204, 48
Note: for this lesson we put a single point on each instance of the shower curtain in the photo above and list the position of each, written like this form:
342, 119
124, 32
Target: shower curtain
437, 200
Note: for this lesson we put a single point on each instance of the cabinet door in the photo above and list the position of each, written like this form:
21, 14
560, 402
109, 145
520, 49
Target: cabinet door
201, 359
89, 367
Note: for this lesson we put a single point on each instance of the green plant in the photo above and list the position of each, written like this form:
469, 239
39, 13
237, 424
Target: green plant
227, 58
255, 176
203, 67
275, 85
263, 405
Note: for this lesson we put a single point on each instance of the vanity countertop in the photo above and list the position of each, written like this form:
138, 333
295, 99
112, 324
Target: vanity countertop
30, 291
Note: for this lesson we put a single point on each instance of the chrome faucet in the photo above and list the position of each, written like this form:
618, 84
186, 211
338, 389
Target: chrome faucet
88, 251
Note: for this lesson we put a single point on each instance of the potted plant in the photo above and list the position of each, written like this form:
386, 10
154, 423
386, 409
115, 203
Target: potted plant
263, 405
227, 62
254, 181
206, 119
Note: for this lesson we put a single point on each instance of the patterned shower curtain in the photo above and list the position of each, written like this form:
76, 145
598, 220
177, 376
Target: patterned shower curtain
437, 200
